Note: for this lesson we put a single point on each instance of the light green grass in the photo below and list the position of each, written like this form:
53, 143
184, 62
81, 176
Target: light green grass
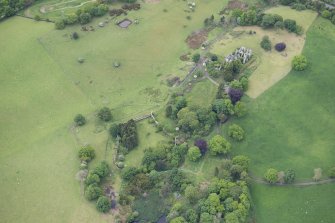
291, 125
202, 94
294, 204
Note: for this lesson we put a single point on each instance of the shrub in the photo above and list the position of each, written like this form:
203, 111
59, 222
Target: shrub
92, 178
129, 172
120, 165
80, 120
191, 193
59, 24
266, 43
37, 17
196, 58
326, 14
268, 21
92, 192
214, 57
299, 63
279, 25
102, 170
243, 161
75, 35
194, 153
235, 84
71, 19
289, 176
236, 132
286, 2
114, 130
219, 145
298, 7
105, 114
271, 176
103, 204
202, 145
84, 18
245, 83
290, 25
86, 153
280, 47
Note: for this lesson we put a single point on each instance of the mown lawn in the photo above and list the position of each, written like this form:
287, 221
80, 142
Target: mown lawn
202, 94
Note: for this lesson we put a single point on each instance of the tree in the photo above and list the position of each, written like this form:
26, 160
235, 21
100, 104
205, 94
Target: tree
290, 25
223, 106
93, 192
59, 24
268, 21
240, 109
236, 132
71, 19
280, 47
84, 18
103, 204
92, 178
194, 153
235, 84
241, 160
102, 170
191, 193
266, 43
235, 94
219, 145
213, 204
178, 220
168, 111
271, 176
80, 120
86, 153
129, 172
279, 25
114, 130
287, 2
196, 58
105, 114
245, 82
187, 120
206, 218
202, 145
289, 176
75, 35
326, 14
191, 216
299, 63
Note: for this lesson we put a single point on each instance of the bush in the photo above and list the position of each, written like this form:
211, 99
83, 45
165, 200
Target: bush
84, 18
92, 192
271, 176
326, 14
196, 58
86, 153
114, 130
245, 83
235, 84
268, 21
235, 95
214, 57
71, 19
59, 24
266, 43
80, 120
202, 145
102, 170
75, 35
289, 176
105, 114
92, 178
129, 173
290, 25
280, 47
279, 25
37, 18
243, 161
103, 204
298, 7
236, 132
240, 109
219, 145
299, 63
194, 153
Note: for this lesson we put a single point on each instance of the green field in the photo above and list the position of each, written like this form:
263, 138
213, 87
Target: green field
202, 94
43, 87
291, 126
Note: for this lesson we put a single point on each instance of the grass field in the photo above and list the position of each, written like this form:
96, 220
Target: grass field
291, 125
202, 94
271, 66
43, 87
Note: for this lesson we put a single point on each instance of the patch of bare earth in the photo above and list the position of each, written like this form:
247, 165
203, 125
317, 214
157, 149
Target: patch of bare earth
197, 38
235, 4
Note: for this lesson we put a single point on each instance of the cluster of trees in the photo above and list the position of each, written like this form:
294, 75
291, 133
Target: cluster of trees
229, 70
273, 176
225, 199
257, 17
83, 15
190, 120
11, 7
319, 6
127, 133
